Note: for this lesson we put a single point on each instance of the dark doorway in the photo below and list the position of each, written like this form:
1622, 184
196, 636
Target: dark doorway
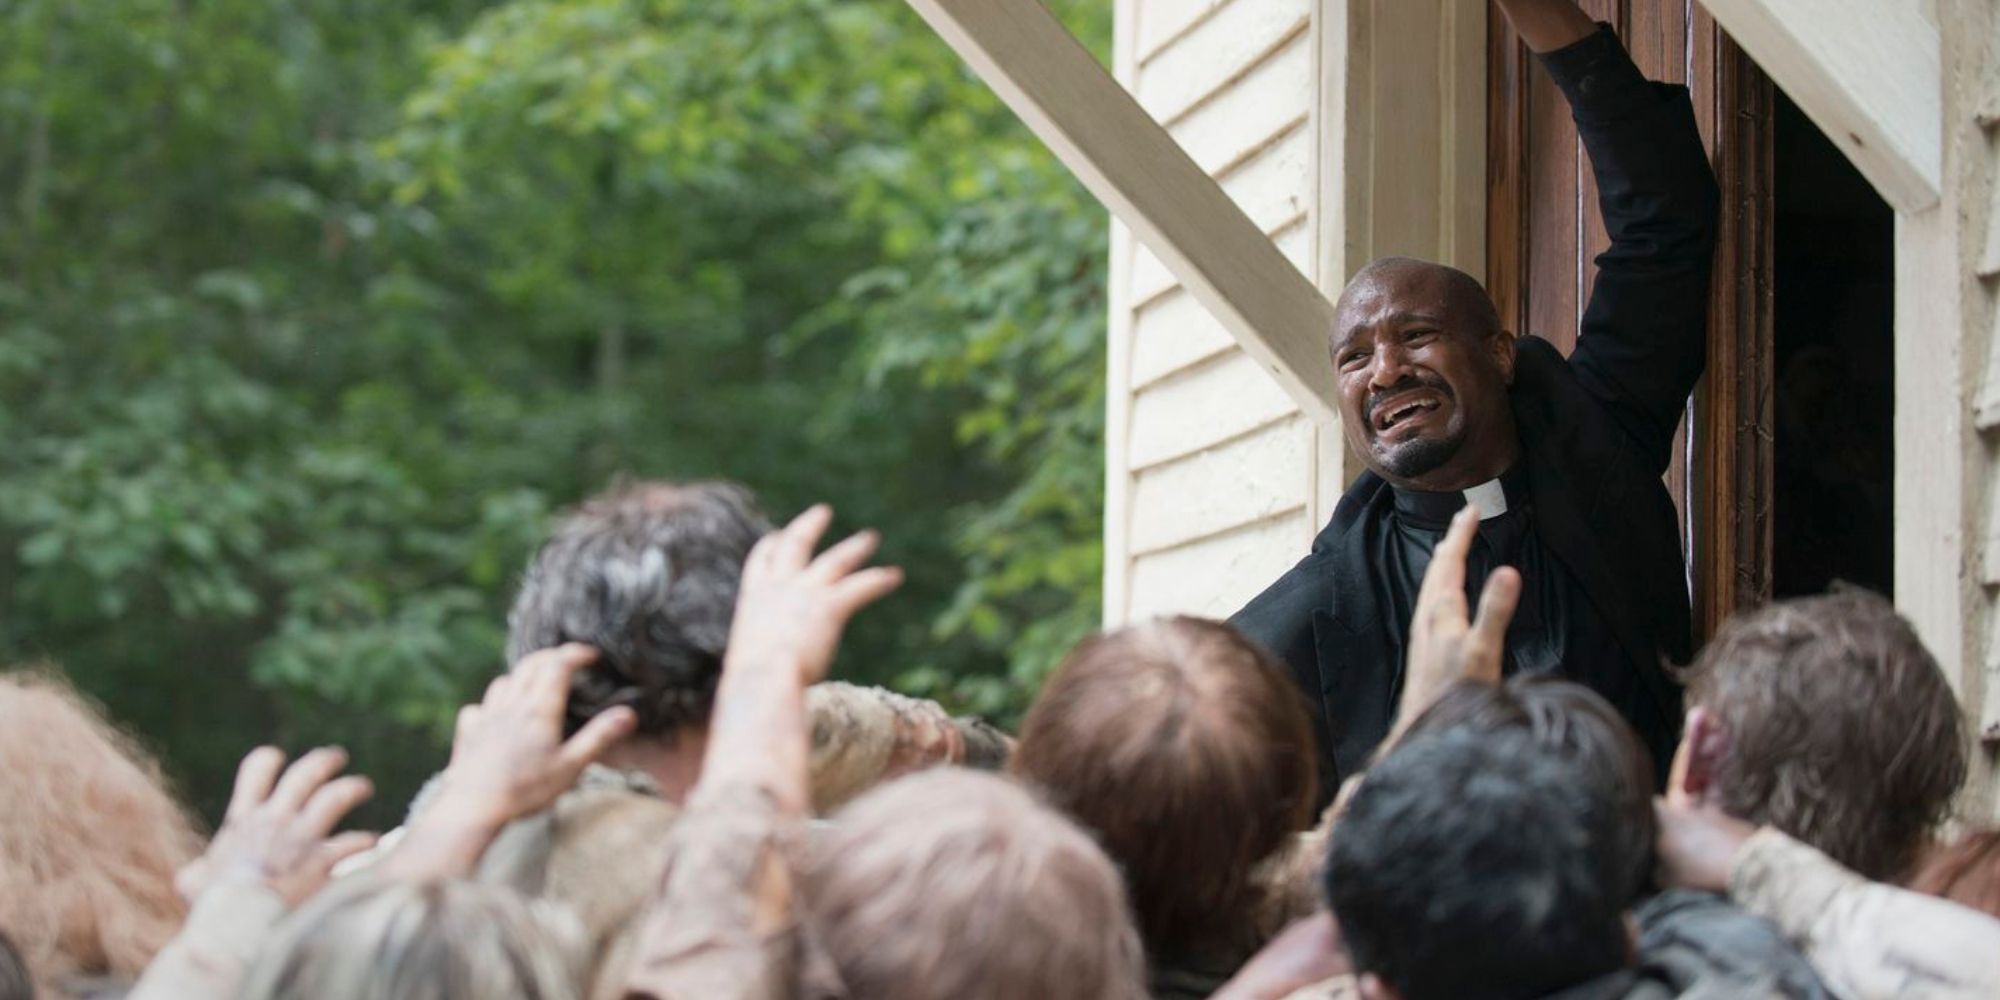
1834, 377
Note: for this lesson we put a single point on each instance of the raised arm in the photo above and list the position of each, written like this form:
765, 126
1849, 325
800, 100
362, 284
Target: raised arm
1645, 332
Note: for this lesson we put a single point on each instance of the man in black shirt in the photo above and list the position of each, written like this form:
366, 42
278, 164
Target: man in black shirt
1562, 456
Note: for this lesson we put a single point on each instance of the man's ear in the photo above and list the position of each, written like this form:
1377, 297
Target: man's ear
1371, 987
1501, 346
1704, 746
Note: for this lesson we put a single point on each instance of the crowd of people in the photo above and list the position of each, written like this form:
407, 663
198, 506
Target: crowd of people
664, 798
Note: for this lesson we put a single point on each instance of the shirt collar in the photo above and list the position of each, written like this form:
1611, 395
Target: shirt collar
1495, 497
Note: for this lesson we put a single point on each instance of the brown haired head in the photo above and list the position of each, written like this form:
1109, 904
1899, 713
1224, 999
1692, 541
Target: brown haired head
957, 885
1186, 749
90, 839
1967, 872
1827, 718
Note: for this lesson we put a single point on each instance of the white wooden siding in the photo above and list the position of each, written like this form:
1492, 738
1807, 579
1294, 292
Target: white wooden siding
1211, 466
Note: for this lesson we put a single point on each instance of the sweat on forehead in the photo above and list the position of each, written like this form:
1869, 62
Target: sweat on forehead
1413, 284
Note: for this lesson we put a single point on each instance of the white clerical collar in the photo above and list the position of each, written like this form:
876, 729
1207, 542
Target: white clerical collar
1490, 497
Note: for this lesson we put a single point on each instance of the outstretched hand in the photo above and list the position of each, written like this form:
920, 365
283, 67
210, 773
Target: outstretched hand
792, 607
508, 761
1698, 846
1448, 644
278, 831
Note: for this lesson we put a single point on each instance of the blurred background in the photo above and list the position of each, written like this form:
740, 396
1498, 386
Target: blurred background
313, 314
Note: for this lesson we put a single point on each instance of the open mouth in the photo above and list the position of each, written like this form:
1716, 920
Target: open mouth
1405, 408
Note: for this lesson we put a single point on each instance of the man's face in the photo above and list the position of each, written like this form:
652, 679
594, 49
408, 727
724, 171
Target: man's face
1423, 381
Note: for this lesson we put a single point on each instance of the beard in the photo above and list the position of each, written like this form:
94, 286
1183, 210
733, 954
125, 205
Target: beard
1421, 456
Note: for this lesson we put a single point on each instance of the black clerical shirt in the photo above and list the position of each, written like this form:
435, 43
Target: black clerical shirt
1555, 622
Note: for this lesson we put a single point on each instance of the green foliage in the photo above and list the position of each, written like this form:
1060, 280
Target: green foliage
312, 315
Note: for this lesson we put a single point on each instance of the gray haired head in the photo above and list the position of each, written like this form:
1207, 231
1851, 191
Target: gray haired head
647, 573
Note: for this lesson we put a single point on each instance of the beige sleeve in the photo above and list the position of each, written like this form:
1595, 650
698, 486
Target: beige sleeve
863, 736
726, 925
214, 949
1867, 940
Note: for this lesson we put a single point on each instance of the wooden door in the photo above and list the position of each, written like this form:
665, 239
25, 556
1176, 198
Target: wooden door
1544, 234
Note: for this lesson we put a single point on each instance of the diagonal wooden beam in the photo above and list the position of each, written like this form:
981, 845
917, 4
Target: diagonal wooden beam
1151, 184
1869, 73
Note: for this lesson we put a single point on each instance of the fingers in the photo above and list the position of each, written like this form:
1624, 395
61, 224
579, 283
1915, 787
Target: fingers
865, 588
254, 780
305, 777
545, 677
341, 847
1497, 602
797, 542
1445, 578
851, 554
333, 802
597, 736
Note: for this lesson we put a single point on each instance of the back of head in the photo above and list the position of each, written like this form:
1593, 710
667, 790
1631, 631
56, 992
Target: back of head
1841, 730
1186, 750
90, 839
647, 573
1967, 872
390, 940
1576, 723
956, 885
15, 983
1469, 866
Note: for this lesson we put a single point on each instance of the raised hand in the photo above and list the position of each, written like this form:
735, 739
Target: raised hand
508, 760
1697, 847
792, 608
278, 831
508, 755
1446, 644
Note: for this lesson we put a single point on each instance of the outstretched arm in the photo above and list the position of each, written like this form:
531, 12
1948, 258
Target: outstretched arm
1547, 25
1645, 332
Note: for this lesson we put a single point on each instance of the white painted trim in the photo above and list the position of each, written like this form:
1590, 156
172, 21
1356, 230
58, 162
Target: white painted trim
1149, 182
1117, 575
1868, 72
1933, 575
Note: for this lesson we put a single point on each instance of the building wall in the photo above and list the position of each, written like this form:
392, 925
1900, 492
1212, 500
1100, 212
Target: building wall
1212, 468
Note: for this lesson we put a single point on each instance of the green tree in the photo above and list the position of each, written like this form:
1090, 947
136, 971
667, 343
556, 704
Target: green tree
312, 314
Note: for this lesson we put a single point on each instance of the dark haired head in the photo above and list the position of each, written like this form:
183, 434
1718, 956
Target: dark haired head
1577, 723
1827, 718
647, 573
1473, 866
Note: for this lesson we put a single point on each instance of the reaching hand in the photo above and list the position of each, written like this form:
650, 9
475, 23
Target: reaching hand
508, 756
792, 607
1444, 646
278, 831
1698, 847
1307, 952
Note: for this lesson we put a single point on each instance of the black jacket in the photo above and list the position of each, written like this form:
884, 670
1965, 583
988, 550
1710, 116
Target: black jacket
1597, 431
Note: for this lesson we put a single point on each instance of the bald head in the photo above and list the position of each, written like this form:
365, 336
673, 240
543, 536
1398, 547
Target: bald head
1459, 292
1423, 367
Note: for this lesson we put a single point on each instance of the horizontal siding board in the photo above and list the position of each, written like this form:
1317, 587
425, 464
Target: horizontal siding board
1203, 407
1163, 22
1170, 334
1244, 117
1252, 478
1219, 574
1208, 59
